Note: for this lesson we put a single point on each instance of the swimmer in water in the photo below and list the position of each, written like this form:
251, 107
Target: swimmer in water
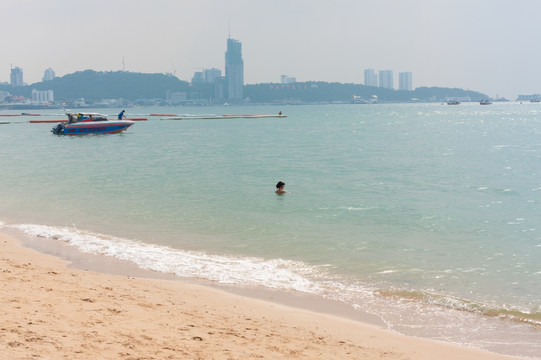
280, 188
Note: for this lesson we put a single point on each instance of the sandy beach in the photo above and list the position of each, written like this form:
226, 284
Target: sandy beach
51, 311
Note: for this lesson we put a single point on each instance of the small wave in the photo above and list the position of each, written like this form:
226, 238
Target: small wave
274, 273
532, 318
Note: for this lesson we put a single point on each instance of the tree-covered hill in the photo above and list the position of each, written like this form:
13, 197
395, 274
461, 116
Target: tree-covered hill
322, 91
94, 86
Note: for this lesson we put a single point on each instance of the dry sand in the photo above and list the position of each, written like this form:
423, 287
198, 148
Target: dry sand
49, 311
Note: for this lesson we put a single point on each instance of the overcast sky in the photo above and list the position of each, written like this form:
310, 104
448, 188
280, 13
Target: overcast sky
492, 46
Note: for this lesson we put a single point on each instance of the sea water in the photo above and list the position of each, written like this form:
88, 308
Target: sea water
426, 215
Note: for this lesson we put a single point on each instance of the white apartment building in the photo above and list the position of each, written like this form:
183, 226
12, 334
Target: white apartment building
370, 78
42, 97
404, 81
386, 79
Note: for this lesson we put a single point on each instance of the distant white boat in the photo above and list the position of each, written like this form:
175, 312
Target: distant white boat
485, 102
358, 100
453, 102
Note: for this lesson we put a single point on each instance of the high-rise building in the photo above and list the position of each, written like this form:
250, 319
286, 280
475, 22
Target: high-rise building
211, 75
220, 90
234, 71
370, 78
404, 81
48, 75
16, 77
198, 77
386, 79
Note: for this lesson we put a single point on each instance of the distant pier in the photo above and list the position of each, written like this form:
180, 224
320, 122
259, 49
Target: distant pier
223, 117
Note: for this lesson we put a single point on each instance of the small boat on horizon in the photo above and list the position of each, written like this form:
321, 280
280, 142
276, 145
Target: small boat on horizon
90, 123
485, 102
453, 102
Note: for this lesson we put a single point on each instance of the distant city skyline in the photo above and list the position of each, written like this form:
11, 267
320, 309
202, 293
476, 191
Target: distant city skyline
458, 44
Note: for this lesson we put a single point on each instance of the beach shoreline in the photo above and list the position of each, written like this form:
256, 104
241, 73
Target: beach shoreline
88, 307
113, 266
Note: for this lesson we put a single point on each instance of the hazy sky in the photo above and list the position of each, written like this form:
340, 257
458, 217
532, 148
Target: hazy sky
492, 46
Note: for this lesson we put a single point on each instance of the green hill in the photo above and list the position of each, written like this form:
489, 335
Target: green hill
325, 92
95, 86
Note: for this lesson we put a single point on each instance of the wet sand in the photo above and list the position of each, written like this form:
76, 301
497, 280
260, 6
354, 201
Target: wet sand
51, 310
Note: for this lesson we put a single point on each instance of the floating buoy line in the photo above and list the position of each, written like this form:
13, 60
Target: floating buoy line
143, 117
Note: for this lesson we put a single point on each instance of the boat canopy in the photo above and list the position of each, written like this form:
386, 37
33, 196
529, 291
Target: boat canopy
87, 116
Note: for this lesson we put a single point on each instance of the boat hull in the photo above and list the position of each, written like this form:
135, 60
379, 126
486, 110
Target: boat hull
93, 127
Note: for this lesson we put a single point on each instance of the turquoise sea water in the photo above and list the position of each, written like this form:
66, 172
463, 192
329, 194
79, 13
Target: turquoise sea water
427, 215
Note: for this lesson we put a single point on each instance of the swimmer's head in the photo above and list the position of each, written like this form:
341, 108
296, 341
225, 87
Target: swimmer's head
280, 184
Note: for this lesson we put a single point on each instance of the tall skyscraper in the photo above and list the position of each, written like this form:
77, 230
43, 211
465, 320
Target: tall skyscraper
234, 71
370, 78
16, 76
404, 81
386, 79
48, 75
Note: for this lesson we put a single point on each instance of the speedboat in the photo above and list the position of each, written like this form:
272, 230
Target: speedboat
453, 102
485, 102
90, 123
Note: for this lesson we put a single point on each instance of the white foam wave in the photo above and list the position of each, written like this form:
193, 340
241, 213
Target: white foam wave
275, 273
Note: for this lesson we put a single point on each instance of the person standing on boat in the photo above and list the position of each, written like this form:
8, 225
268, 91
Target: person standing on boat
121, 115
280, 188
